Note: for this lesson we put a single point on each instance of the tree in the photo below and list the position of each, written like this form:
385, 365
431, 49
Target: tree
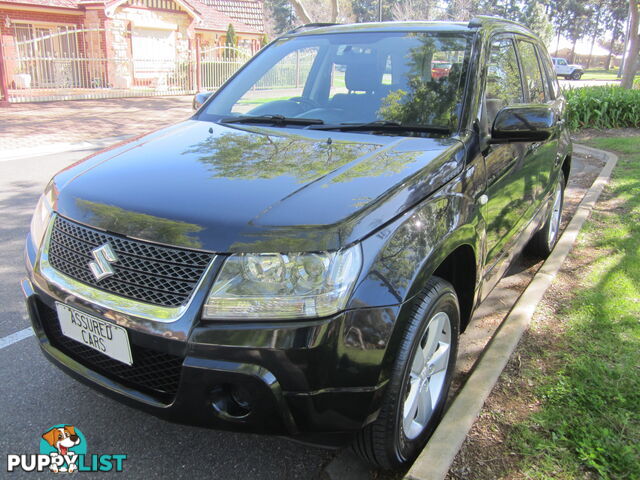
578, 15
280, 16
301, 11
532, 14
231, 40
614, 19
415, 10
367, 10
596, 26
305, 17
631, 64
535, 17
463, 10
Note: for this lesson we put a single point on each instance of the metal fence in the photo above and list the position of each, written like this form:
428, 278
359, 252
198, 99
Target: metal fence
62, 63
66, 64
217, 64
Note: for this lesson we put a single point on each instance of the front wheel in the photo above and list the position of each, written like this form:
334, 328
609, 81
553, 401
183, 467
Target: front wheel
542, 243
417, 390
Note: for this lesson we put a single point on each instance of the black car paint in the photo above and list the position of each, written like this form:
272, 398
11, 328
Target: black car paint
317, 380
349, 186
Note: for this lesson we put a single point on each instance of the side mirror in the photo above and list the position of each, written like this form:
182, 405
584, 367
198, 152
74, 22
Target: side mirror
200, 98
523, 123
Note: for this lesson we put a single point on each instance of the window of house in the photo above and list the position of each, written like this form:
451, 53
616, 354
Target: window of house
154, 51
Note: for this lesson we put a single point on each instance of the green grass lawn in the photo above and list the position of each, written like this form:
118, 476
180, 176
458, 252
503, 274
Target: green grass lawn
588, 423
261, 101
602, 75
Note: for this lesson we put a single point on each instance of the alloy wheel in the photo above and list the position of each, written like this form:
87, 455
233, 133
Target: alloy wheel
427, 377
554, 220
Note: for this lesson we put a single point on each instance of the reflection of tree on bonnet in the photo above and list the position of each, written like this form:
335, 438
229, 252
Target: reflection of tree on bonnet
428, 100
250, 156
140, 225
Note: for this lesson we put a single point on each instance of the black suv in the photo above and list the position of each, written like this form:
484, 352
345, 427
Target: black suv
300, 256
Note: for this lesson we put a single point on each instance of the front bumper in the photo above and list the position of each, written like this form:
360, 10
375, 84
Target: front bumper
319, 381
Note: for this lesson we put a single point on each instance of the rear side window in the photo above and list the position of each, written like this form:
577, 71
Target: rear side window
552, 78
532, 72
504, 85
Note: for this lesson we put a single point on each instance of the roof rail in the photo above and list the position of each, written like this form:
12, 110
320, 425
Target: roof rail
480, 20
310, 26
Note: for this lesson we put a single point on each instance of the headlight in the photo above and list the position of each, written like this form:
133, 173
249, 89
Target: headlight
41, 217
283, 286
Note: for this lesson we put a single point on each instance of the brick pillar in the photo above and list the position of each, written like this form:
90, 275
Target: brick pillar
198, 72
4, 83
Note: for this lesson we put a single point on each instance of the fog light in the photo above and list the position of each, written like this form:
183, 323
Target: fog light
230, 402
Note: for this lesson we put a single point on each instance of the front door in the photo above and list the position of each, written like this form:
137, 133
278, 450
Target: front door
540, 157
511, 179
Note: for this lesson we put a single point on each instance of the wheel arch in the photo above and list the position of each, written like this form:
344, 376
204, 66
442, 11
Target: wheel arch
457, 262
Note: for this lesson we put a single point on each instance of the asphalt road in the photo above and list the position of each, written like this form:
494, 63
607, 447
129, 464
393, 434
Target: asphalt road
35, 395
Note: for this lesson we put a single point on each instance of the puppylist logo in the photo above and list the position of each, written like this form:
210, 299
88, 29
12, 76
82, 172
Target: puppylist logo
63, 449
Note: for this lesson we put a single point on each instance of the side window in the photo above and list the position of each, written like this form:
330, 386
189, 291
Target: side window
532, 72
551, 77
504, 85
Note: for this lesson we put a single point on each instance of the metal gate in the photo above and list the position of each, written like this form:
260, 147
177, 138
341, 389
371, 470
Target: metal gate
65, 63
217, 64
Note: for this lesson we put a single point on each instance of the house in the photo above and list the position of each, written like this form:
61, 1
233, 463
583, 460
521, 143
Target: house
119, 44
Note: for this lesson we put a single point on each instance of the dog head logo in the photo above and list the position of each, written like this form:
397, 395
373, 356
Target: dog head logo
62, 439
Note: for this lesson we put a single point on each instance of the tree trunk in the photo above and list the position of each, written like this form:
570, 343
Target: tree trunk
624, 47
301, 12
593, 42
631, 63
334, 11
614, 34
593, 39
573, 52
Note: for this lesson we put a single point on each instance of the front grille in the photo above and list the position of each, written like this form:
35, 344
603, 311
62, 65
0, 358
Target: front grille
154, 373
146, 272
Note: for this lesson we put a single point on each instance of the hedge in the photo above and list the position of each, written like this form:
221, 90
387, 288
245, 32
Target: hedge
607, 106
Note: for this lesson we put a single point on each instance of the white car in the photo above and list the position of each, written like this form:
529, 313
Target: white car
566, 70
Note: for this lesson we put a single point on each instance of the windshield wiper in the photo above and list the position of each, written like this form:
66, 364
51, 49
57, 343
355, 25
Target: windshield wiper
384, 125
274, 119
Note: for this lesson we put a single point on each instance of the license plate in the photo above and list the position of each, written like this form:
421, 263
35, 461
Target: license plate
105, 337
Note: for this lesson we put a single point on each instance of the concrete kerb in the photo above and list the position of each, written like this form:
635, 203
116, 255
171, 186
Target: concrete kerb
434, 461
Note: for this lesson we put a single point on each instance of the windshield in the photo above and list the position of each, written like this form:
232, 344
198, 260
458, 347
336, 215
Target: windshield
407, 78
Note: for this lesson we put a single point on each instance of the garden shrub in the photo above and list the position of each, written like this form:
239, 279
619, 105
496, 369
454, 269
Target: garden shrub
606, 106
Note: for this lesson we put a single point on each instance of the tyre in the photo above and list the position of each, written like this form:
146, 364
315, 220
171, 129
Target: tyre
576, 75
543, 241
420, 379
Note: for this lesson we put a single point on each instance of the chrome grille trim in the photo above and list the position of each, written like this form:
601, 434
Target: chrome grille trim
107, 300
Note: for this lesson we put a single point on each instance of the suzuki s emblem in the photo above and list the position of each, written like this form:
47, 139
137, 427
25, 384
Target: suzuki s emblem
104, 257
